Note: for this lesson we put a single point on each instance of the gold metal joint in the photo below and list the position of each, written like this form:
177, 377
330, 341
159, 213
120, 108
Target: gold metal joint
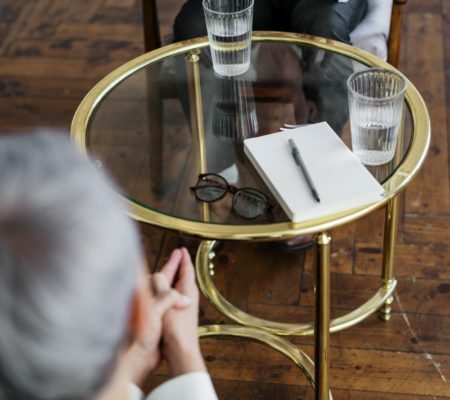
385, 313
386, 309
193, 56
323, 238
389, 283
211, 269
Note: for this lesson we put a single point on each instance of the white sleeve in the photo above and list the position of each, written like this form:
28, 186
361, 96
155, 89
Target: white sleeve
134, 393
372, 33
191, 386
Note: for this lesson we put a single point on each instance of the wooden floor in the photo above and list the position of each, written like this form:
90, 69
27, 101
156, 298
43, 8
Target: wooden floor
52, 52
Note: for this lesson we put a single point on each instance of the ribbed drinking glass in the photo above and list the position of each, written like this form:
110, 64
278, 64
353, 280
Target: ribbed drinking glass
376, 98
229, 26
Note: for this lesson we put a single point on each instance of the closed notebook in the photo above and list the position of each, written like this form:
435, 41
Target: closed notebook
342, 182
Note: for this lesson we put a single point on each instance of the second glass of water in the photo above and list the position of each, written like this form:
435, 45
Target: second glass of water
376, 99
229, 26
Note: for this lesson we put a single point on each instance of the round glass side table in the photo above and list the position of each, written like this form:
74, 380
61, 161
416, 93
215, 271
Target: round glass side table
160, 120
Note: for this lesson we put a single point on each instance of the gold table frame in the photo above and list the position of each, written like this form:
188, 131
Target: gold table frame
295, 354
260, 329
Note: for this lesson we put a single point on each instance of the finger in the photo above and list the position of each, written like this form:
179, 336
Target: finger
183, 302
186, 267
186, 279
168, 300
160, 283
149, 280
161, 286
170, 268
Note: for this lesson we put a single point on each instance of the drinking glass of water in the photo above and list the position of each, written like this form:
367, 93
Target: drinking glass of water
229, 26
375, 102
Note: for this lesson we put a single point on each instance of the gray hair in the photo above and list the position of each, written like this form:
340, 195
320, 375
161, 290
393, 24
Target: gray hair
69, 260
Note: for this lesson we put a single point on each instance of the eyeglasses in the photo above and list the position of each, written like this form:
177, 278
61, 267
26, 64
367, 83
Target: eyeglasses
247, 202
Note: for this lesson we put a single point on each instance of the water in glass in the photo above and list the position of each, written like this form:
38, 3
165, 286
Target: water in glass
374, 142
230, 51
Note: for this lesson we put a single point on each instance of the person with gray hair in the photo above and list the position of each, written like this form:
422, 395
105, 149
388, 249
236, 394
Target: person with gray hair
79, 318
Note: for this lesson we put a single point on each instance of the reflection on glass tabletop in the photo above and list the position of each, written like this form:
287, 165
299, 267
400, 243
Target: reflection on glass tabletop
145, 131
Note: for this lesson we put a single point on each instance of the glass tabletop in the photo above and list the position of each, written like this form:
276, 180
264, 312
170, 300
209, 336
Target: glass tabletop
157, 127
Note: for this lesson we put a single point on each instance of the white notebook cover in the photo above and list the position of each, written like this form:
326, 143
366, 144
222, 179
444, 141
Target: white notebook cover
342, 182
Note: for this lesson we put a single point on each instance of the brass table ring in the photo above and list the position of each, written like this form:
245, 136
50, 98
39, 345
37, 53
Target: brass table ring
204, 264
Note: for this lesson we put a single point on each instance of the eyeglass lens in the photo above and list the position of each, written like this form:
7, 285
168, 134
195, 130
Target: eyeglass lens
247, 202
211, 188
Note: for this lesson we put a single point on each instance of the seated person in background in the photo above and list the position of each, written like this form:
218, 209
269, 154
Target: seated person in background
331, 19
324, 80
79, 318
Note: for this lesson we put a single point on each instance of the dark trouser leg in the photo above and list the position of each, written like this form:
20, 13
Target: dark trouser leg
327, 18
190, 21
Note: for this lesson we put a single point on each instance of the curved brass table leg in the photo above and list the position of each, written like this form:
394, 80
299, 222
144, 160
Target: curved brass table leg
390, 242
205, 264
277, 343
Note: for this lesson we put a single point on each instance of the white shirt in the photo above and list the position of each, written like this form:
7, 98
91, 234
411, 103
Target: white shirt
191, 386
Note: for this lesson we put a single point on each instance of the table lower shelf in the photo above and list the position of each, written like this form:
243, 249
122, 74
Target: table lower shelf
204, 264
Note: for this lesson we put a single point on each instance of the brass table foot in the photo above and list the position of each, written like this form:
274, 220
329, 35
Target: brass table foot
386, 309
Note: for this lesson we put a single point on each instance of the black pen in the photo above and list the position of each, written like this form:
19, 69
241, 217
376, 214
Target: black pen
301, 164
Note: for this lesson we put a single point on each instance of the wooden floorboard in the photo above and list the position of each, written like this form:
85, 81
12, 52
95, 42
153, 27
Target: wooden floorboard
53, 52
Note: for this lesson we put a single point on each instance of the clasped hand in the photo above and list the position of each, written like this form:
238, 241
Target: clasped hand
171, 331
